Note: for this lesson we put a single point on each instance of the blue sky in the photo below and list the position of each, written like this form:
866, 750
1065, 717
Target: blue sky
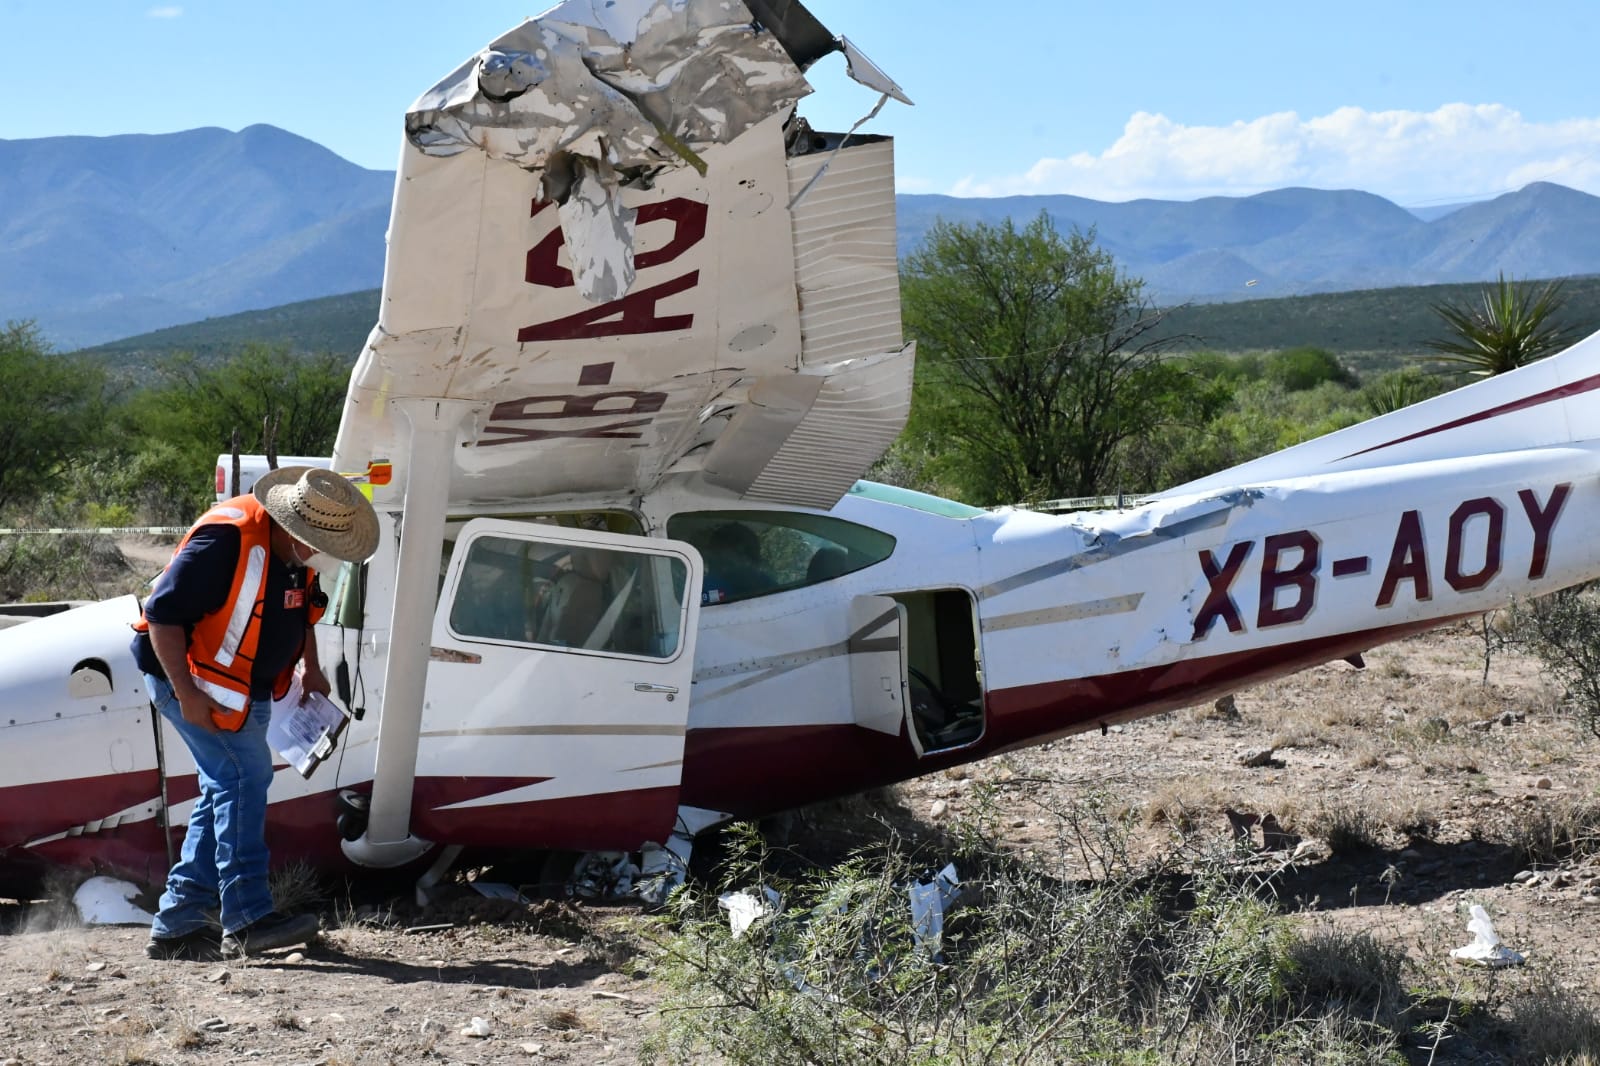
1422, 102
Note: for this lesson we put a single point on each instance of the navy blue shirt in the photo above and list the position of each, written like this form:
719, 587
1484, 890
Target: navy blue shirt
196, 583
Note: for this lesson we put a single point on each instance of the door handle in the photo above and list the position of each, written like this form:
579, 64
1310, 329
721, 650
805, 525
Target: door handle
650, 686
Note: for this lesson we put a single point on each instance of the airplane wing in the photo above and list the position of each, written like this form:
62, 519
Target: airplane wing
611, 243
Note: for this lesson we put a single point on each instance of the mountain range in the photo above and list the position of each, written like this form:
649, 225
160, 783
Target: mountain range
106, 237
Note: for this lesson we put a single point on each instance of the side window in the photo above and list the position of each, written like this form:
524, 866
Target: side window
757, 553
583, 597
347, 593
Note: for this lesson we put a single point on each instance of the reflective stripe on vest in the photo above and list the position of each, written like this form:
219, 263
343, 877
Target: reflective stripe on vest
244, 604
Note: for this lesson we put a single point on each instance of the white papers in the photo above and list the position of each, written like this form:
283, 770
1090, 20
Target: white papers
303, 733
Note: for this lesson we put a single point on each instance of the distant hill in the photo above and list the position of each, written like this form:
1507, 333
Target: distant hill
1367, 327
1366, 323
327, 324
105, 237
1291, 242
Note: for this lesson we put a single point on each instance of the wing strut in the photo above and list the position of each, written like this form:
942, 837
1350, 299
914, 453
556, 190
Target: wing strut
388, 840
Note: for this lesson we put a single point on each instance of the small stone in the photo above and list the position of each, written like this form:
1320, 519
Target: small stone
532, 1049
1481, 727
428, 1026
294, 956
1019, 823
1543, 782
1525, 876
937, 810
1256, 757
1226, 708
220, 977
333, 1017
478, 1028
1590, 898
391, 1009
95, 967
213, 1025
1116, 729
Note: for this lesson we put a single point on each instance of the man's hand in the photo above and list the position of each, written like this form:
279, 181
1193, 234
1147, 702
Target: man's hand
171, 645
312, 680
197, 708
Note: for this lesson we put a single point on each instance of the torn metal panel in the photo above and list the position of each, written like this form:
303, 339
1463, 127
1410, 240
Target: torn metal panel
599, 232
627, 87
868, 73
619, 82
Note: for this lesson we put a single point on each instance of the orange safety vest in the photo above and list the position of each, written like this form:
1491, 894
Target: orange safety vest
222, 647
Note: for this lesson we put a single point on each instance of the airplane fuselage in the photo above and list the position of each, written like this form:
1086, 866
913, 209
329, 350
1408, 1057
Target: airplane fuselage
974, 633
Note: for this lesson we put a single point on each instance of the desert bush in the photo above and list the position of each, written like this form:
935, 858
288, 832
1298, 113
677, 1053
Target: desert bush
1550, 1025
1177, 958
1557, 832
1346, 827
1298, 369
1562, 630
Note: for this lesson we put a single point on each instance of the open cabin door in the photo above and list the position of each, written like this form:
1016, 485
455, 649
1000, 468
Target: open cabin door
914, 661
558, 689
878, 663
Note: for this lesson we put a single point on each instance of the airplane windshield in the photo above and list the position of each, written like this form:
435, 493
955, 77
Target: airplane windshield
920, 501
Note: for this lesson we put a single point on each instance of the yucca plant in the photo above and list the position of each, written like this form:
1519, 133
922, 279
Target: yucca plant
1511, 326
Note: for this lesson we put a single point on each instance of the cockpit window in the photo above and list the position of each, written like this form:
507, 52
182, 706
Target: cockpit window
758, 553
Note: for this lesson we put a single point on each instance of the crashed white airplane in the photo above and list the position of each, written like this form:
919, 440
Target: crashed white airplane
640, 333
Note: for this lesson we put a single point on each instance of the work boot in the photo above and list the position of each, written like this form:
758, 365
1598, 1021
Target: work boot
272, 931
198, 945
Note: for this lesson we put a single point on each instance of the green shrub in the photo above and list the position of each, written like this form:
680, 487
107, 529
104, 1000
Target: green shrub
1152, 962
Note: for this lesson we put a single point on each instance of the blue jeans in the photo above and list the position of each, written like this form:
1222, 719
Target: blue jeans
223, 867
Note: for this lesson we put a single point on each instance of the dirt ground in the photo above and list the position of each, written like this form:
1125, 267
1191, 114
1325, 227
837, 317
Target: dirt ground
1416, 753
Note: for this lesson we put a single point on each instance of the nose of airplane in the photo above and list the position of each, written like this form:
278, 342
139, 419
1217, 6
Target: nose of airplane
71, 663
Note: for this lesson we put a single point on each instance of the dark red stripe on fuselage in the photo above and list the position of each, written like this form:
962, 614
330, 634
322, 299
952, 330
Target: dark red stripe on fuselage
755, 771
1561, 392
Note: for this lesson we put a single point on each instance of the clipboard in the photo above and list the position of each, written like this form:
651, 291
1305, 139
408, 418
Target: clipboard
305, 733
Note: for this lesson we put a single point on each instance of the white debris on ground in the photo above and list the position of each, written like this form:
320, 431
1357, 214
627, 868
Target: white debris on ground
929, 901
744, 907
107, 901
1486, 948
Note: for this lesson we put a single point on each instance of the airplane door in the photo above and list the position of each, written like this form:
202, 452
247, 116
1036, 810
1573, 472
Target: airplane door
878, 663
558, 689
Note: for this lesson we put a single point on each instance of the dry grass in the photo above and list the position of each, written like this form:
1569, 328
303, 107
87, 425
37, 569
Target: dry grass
297, 887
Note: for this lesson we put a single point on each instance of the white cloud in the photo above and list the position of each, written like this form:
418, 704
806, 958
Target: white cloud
1457, 152
164, 12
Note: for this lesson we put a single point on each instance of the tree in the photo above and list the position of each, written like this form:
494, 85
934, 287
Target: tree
48, 412
1298, 369
198, 406
1033, 367
1510, 327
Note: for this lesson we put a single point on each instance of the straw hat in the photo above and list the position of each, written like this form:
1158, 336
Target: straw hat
321, 509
